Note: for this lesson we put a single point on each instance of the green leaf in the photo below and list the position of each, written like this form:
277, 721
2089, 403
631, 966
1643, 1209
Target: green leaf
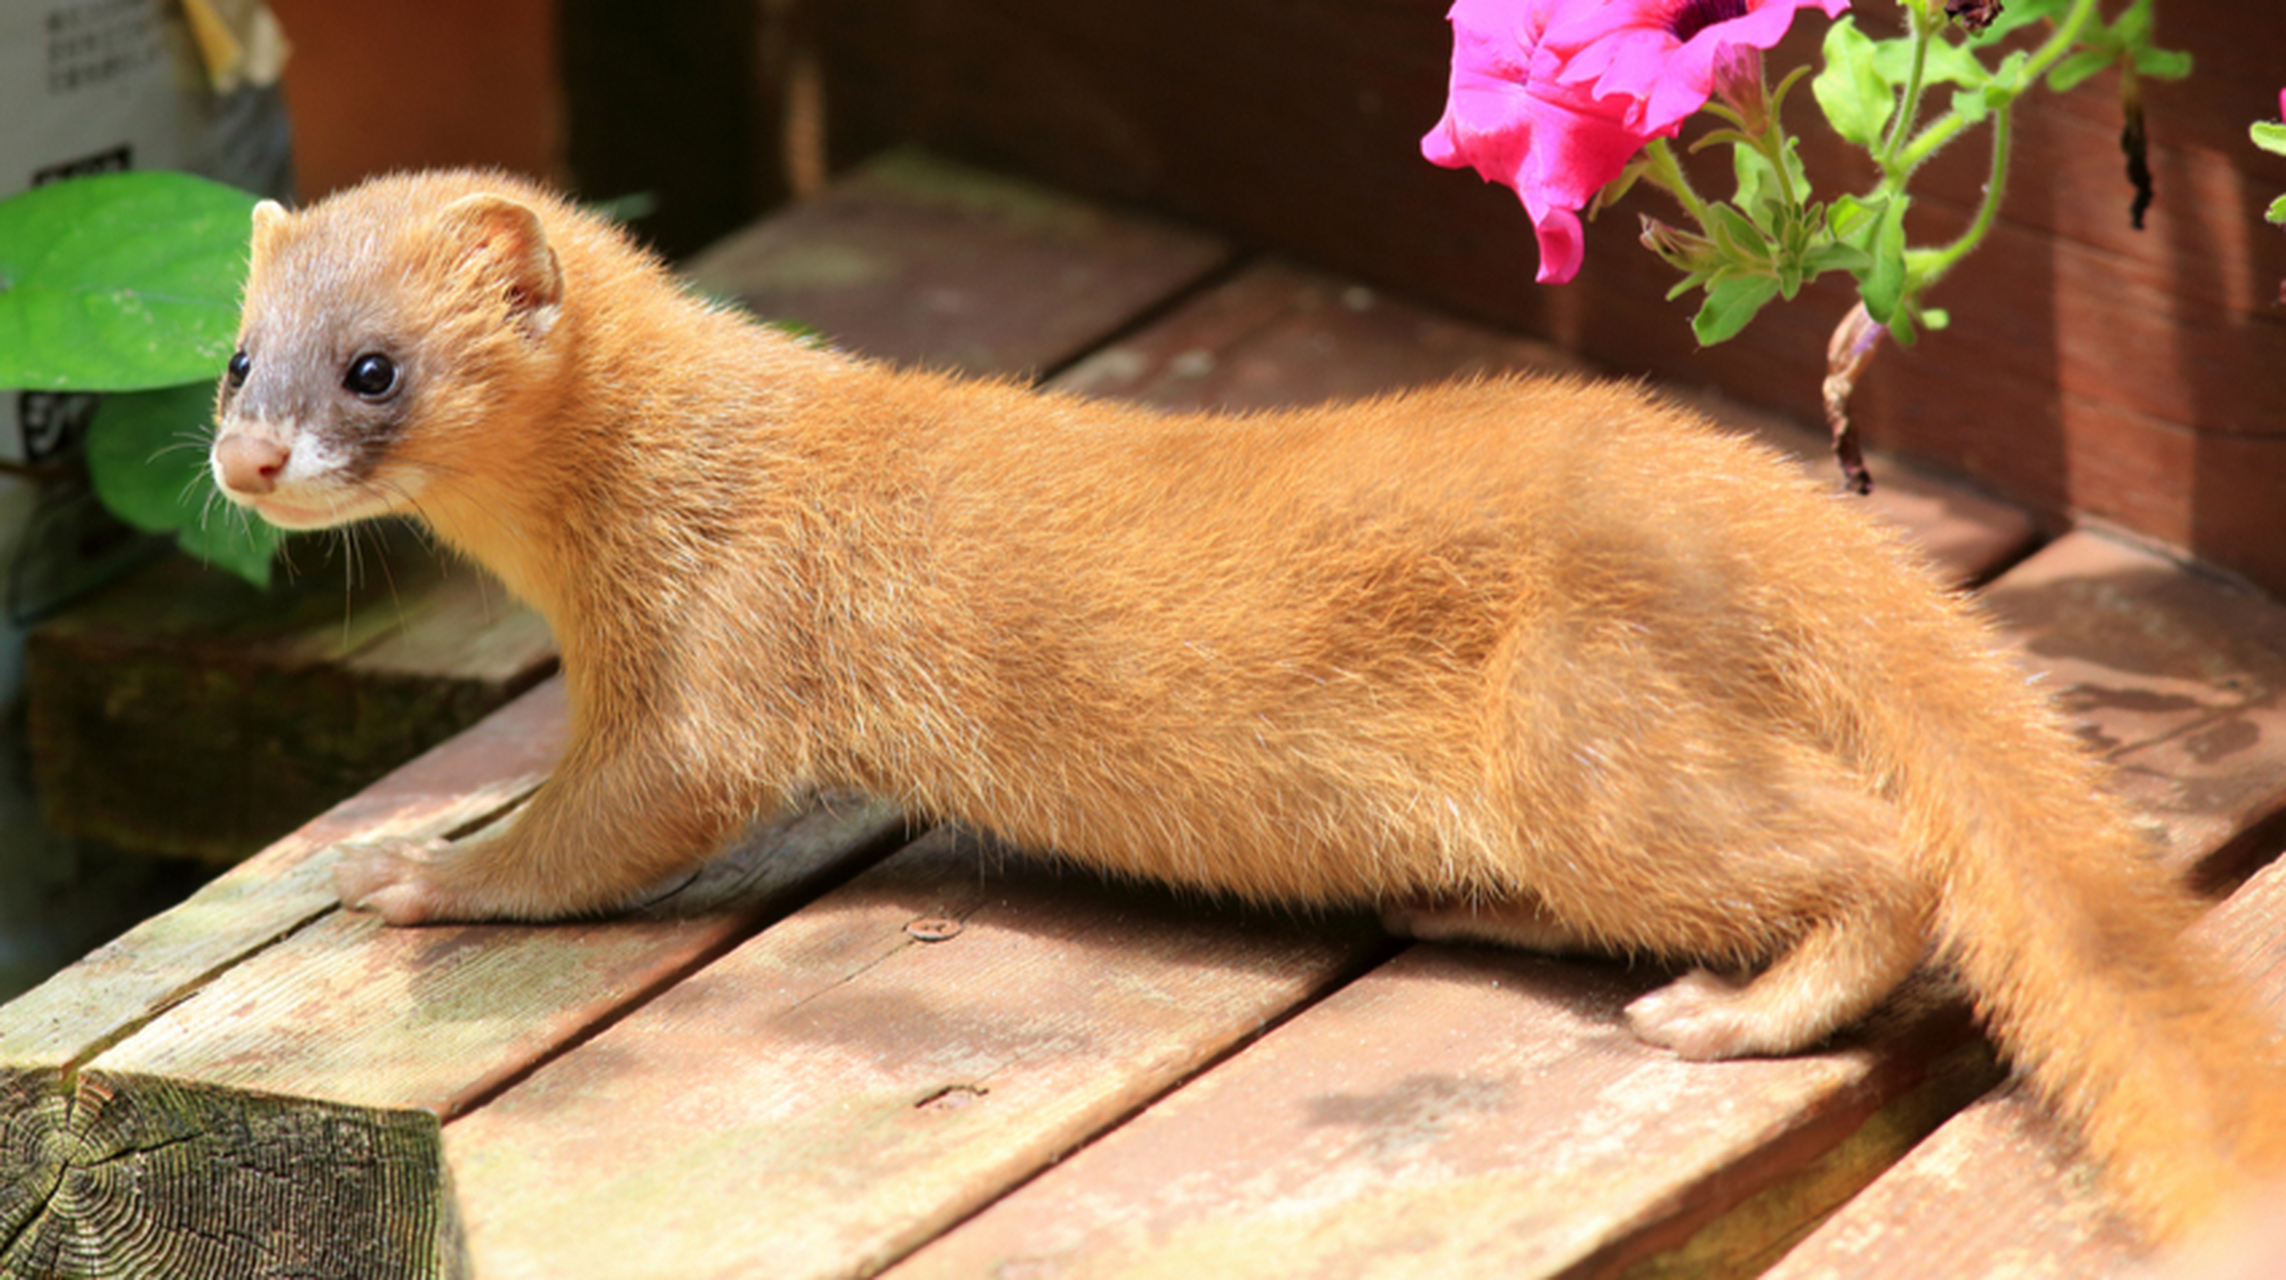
2016, 15
1731, 302
1970, 106
1934, 318
146, 453
1851, 90
2162, 64
2074, 71
1854, 221
2007, 79
1947, 63
1736, 235
120, 282
2277, 210
1883, 283
2270, 137
1836, 257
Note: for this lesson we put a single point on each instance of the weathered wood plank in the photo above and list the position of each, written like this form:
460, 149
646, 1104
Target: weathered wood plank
1456, 1112
126, 982
919, 260
325, 1062
1275, 335
856, 1078
1515, 1128
84, 1159
184, 712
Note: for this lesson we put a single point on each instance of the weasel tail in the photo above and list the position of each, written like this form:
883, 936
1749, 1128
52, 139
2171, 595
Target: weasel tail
1537, 661
2072, 950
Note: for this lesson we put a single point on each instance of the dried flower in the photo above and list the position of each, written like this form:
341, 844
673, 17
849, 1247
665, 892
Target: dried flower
1976, 15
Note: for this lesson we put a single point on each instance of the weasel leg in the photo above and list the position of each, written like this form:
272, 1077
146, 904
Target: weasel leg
1832, 977
605, 827
1520, 922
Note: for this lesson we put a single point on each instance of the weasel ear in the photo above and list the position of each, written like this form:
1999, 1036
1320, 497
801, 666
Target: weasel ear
270, 219
503, 242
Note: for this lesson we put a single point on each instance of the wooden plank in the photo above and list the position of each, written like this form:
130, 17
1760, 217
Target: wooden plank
123, 984
1275, 334
918, 260
184, 712
1456, 1112
78, 1151
853, 1080
326, 1061
1503, 1122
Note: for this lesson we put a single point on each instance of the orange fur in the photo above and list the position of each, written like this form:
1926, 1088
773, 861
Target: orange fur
1535, 660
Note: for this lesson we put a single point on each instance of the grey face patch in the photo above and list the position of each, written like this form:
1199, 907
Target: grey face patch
315, 319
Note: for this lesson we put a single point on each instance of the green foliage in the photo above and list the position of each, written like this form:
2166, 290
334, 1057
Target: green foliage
1855, 96
146, 454
129, 284
1772, 237
120, 283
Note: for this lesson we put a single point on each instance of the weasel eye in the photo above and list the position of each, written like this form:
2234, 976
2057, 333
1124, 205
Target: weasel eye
371, 375
240, 365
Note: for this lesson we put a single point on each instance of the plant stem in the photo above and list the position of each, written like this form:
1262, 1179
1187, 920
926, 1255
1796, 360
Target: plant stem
1666, 172
1924, 30
1928, 266
2060, 41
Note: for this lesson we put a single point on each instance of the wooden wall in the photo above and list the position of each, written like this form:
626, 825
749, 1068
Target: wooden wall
2091, 369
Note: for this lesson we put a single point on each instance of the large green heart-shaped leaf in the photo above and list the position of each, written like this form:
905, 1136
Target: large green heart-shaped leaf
121, 282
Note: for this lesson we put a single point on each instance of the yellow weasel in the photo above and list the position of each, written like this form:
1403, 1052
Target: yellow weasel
1531, 660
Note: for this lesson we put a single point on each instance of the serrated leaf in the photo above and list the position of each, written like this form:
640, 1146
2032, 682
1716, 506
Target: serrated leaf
1852, 92
1731, 303
146, 454
121, 282
2074, 71
2270, 137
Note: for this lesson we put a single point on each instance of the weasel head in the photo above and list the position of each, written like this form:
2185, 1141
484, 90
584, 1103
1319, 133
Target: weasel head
390, 336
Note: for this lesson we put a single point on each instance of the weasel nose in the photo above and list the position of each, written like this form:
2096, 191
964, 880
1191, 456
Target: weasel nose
249, 464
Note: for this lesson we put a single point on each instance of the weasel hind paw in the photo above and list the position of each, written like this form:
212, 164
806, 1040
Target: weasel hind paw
1700, 1016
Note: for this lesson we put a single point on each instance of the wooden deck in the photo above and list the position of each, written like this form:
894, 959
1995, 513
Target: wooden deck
849, 1047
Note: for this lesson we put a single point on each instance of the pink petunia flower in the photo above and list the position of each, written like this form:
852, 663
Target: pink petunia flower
1554, 97
1668, 56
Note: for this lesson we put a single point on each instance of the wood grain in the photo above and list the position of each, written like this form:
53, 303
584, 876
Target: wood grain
916, 260
855, 1079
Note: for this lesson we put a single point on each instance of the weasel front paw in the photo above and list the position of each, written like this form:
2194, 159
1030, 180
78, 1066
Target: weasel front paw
394, 877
